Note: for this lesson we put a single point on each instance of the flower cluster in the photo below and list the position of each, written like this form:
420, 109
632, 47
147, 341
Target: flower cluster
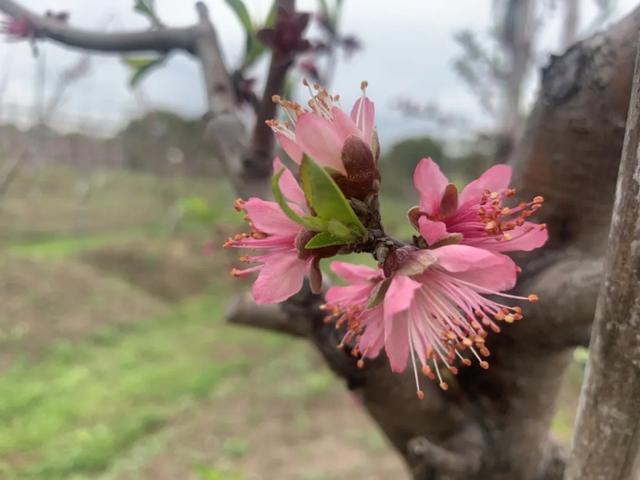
431, 302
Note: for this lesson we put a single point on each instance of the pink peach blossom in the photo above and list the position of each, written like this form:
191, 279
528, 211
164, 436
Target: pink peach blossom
17, 28
432, 309
280, 265
477, 214
322, 131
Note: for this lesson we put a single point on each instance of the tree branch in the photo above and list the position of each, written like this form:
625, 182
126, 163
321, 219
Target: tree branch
244, 311
258, 162
607, 435
158, 40
568, 289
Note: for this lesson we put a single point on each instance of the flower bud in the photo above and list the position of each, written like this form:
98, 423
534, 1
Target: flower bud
363, 176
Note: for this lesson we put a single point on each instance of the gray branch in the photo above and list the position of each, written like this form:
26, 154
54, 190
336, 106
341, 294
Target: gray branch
157, 40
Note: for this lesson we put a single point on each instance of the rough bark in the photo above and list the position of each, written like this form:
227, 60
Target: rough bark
607, 436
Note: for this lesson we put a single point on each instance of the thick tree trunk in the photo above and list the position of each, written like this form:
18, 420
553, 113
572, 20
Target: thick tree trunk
607, 435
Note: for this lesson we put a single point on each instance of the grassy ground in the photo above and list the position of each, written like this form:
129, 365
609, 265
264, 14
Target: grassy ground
115, 362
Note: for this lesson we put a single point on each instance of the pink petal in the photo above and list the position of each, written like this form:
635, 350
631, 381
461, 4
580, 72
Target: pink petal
432, 231
280, 277
268, 218
352, 273
344, 125
525, 238
495, 179
290, 147
396, 342
372, 339
349, 295
478, 266
399, 296
289, 185
430, 183
363, 114
319, 138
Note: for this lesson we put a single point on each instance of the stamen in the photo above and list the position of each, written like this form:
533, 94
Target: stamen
443, 385
413, 361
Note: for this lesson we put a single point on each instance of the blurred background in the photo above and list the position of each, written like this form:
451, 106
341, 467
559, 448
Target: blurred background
115, 361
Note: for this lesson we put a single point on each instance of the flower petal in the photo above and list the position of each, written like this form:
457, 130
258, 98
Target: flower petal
290, 147
396, 342
399, 296
289, 185
495, 179
432, 231
525, 238
481, 267
363, 114
319, 138
372, 339
352, 273
430, 183
280, 277
268, 218
344, 125
349, 295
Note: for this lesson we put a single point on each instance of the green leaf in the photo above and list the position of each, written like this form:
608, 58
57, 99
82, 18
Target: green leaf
316, 224
146, 8
140, 66
253, 48
326, 198
270, 21
307, 222
253, 51
240, 9
339, 229
324, 239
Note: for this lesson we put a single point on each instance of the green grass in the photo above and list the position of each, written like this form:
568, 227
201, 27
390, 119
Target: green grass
84, 404
83, 401
64, 246
53, 202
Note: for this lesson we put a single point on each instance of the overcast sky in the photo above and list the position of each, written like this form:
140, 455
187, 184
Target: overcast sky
408, 52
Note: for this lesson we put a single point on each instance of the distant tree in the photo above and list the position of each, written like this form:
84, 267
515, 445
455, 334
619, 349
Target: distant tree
398, 164
497, 70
